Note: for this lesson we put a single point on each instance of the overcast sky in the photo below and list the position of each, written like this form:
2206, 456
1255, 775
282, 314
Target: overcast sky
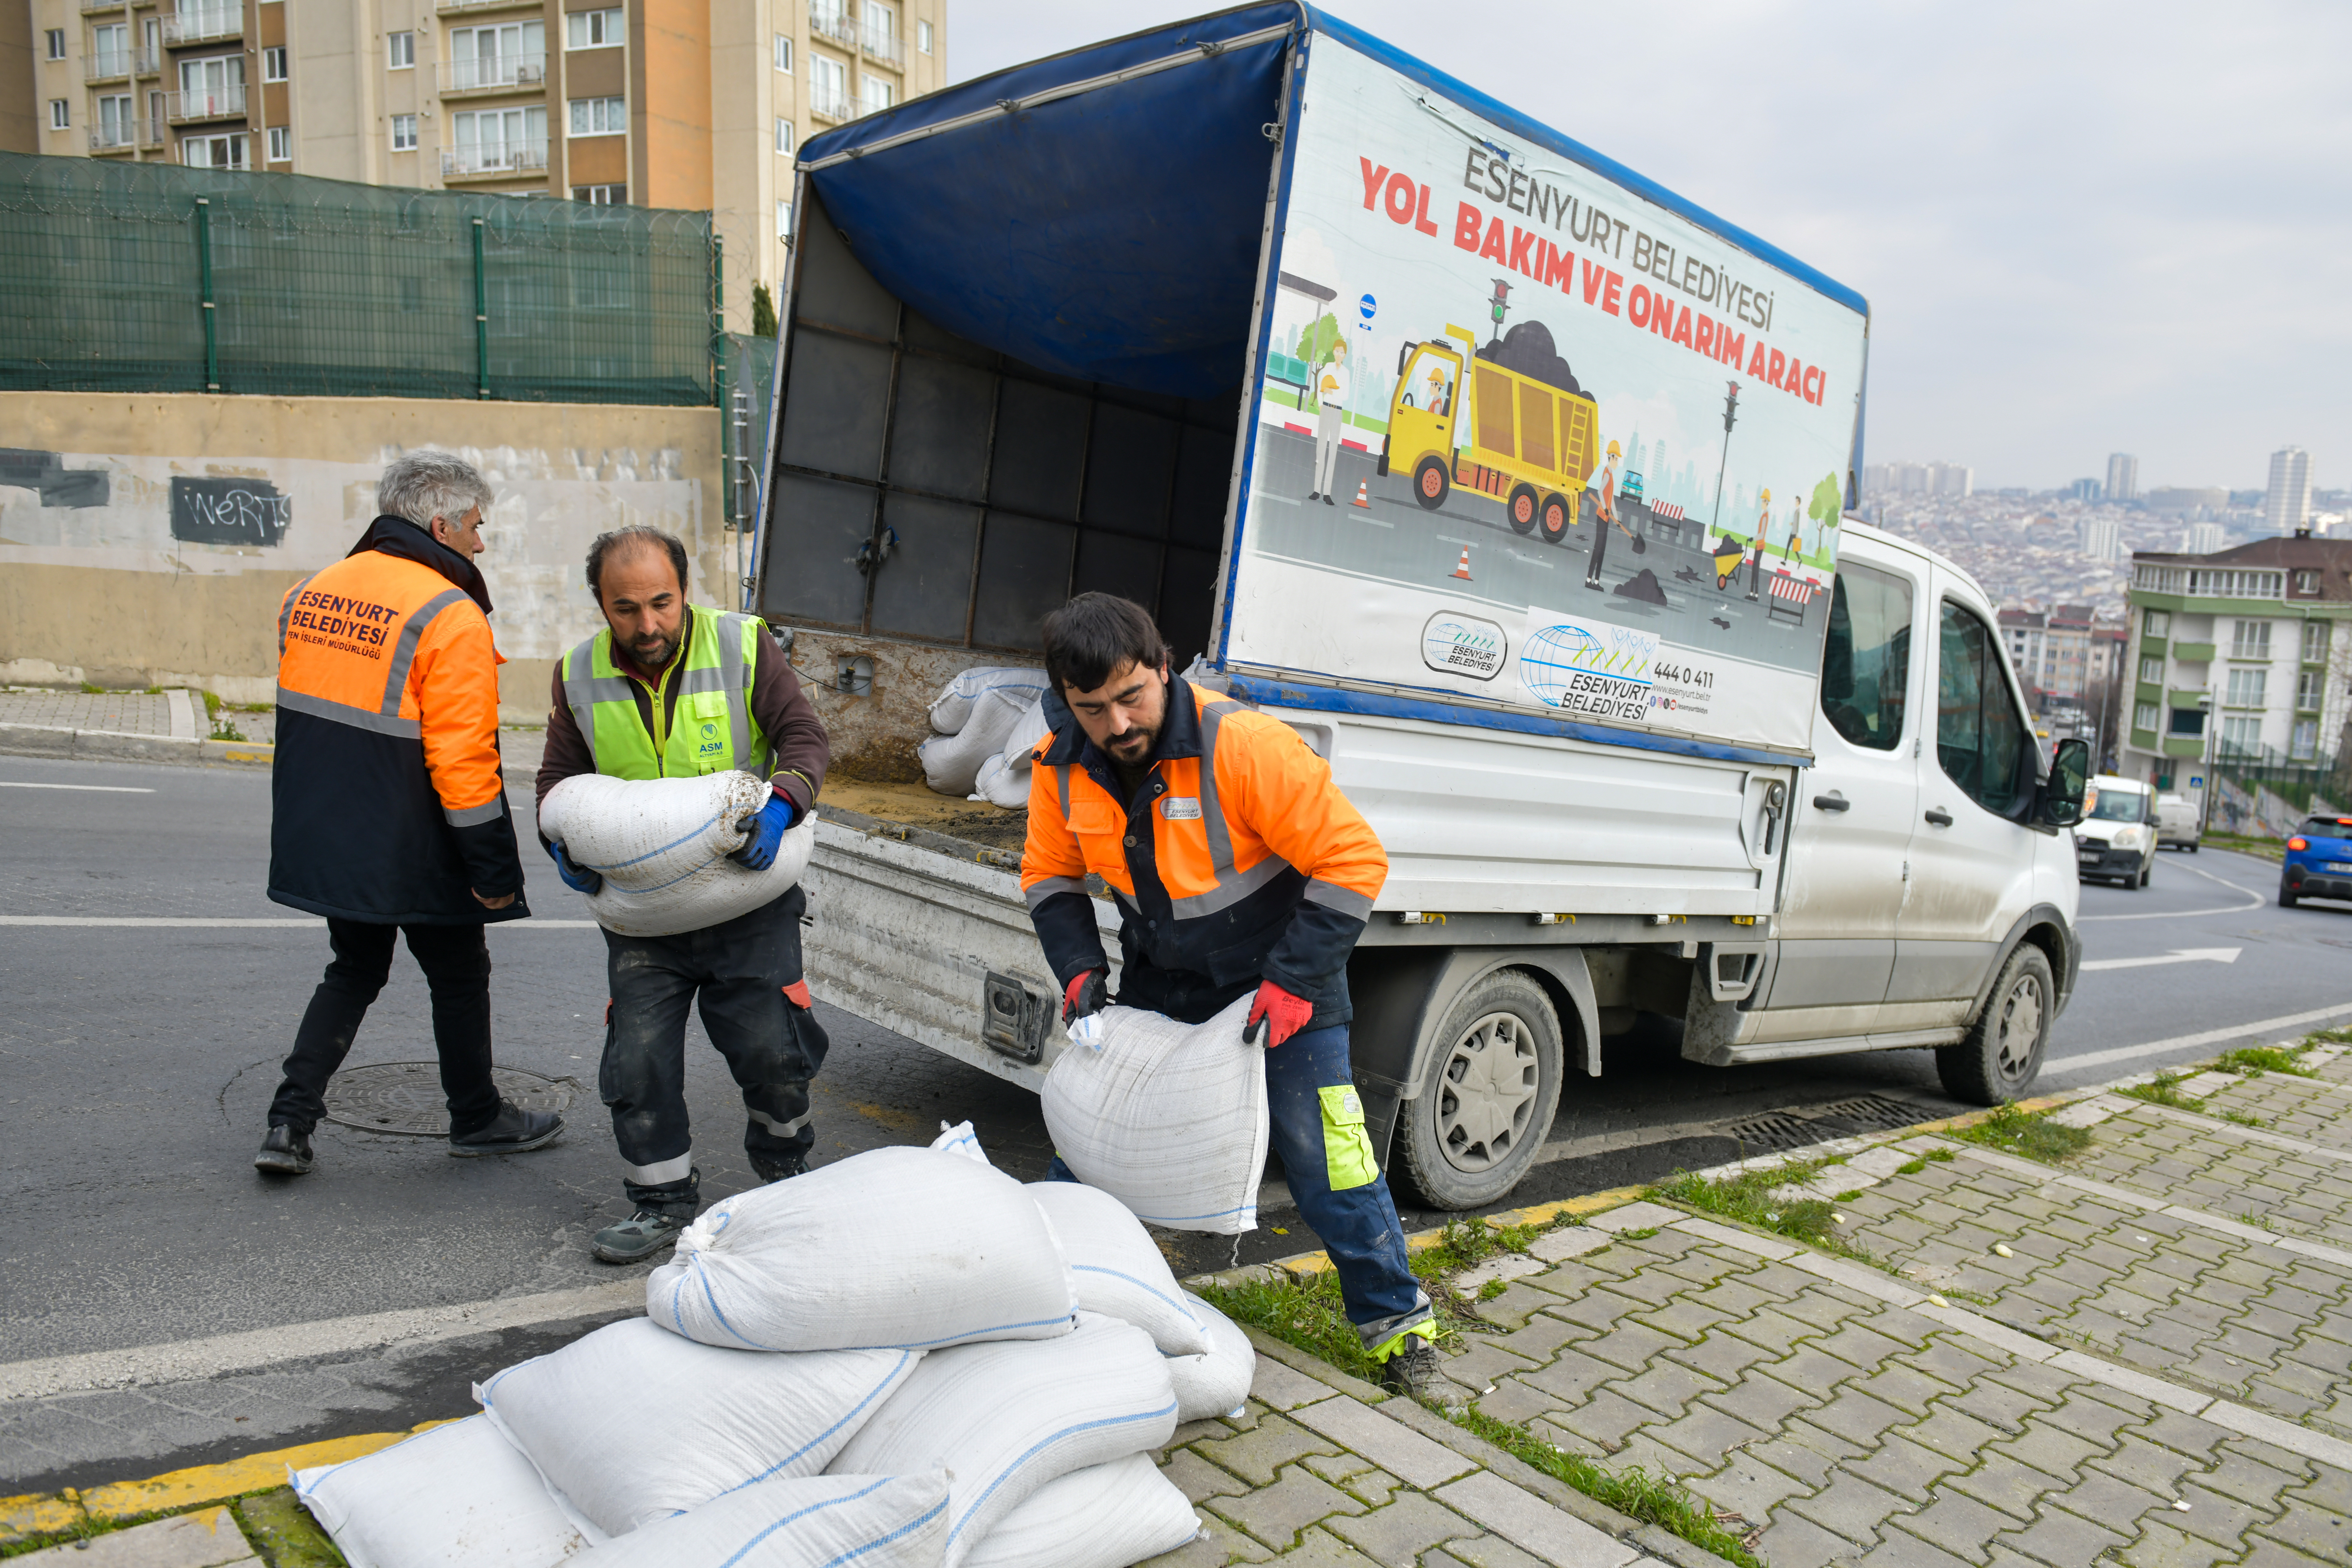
2083, 227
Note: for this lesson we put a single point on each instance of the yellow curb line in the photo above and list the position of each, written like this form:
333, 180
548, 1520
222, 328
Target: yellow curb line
1306, 1265
22, 1517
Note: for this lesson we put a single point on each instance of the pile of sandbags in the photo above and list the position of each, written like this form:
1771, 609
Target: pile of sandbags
907, 1360
978, 717
661, 847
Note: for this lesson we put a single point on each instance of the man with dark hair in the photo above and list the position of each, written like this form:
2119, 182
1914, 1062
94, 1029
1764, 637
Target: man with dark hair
670, 689
1238, 866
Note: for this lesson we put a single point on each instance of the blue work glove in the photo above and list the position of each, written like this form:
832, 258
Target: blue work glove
578, 878
759, 851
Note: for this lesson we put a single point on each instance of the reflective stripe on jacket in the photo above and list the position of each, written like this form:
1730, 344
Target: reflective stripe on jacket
388, 805
1238, 860
710, 729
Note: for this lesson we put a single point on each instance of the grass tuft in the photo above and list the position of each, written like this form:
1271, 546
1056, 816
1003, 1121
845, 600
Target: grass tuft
2028, 1132
2252, 1061
2163, 1089
1748, 1198
1910, 1167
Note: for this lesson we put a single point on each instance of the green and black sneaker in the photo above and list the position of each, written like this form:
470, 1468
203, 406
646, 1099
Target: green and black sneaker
639, 1236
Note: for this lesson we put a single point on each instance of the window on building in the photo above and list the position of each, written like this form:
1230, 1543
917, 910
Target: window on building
602, 196
2315, 642
2151, 670
2242, 736
492, 138
829, 86
404, 134
400, 50
2310, 690
1979, 739
783, 53
281, 144
599, 116
110, 49
2250, 640
2302, 743
923, 37
2158, 622
2245, 688
58, 115
2144, 718
783, 136
214, 151
117, 126
1866, 657
2306, 582
593, 29
783, 220
273, 65
879, 94
213, 86
56, 40
511, 54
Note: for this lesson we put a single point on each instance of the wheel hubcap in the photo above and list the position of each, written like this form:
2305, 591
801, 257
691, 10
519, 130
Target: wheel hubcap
2021, 1028
1487, 1092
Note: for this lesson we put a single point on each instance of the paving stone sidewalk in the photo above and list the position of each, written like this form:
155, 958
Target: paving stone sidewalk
115, 712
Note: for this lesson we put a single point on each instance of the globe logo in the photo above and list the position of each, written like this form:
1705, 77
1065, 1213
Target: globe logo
1552, 654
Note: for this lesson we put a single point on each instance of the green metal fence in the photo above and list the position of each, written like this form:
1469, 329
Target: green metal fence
152, 277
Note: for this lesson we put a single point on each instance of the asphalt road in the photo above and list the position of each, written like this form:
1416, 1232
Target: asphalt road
139, 1061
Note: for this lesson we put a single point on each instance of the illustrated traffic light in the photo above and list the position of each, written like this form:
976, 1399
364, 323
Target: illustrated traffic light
1730, 407
1501, 301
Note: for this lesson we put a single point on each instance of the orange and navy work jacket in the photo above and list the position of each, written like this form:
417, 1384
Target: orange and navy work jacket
388, 805
1237, 860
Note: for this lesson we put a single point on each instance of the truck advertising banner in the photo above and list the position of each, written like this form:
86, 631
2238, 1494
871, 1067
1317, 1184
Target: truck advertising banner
1527, 438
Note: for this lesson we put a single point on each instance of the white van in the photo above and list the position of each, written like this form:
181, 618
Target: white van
2177, 825
2116, 839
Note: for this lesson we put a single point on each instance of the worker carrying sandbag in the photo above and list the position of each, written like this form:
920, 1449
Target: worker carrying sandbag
1238, 865
388, 814
671, 690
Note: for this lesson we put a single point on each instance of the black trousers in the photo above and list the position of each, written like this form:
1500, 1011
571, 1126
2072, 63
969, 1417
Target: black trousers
456, 965
737, 972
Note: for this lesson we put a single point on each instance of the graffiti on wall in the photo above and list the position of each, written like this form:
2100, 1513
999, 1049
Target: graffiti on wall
228, 511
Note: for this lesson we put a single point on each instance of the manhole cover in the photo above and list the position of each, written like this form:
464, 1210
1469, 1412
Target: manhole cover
405, 1097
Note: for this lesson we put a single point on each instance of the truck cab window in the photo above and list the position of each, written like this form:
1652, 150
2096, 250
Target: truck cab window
1979, 739
1866, 657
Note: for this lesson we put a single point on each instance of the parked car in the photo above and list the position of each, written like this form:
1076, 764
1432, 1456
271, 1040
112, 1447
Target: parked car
2176, 826
2116, 840
2318, 861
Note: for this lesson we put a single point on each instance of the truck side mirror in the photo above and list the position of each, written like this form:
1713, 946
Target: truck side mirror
2070, 775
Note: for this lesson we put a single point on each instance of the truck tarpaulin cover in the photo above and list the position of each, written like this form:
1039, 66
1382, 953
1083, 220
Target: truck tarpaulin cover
1112, 235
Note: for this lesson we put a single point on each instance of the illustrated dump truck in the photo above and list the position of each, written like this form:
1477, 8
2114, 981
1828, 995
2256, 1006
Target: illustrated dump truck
1506, 435
1006, 375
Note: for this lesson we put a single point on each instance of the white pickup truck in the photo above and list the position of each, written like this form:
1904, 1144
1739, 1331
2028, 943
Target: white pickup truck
1771, 780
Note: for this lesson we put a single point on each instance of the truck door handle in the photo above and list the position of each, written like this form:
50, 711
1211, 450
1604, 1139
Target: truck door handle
1939, 816
1831, 803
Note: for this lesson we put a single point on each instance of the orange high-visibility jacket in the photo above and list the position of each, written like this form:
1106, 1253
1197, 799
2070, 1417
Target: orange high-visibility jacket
388, 805
1238, 860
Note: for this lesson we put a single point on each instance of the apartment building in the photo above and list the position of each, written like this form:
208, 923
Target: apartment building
672, 103
2256, 640
2052, 650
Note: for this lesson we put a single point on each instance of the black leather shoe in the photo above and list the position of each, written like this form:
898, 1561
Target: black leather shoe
283, 1153
513, 1131
780, 1171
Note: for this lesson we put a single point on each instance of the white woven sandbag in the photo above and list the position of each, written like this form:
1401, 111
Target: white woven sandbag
458, 1496
1214, 1384
960, 1140
1002, 784
952, 763
952, 707
1026, 731
1116, 1268
914, 1248
1168, 1118
661, 847
1003, 1420
797, 1521
698, 1421
1105, 1515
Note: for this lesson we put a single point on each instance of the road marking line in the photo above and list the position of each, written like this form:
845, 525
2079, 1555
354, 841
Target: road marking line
188, 1360
303, 923
103, 789
2090, 1060
2253, 901
2178, 955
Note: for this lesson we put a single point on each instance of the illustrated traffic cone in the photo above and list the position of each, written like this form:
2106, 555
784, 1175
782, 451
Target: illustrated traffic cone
1363, 494
1463, 571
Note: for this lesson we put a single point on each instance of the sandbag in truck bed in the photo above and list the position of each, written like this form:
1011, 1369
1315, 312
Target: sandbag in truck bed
661, 847
896, 1248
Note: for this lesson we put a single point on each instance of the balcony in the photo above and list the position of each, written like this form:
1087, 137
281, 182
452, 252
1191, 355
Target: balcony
506, 73
888, 48
206, 27
212, 103
457, 7
836, 107
832, 22
106, 138
91, 6
498, 160
114, 65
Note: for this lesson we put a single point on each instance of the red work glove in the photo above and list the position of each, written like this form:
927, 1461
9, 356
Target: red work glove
1089, 992
1284, 1014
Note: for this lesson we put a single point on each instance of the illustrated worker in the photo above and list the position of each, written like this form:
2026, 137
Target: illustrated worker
388, 814
672, 690
1604, 511
1238, 866
1331, 402
1758, 545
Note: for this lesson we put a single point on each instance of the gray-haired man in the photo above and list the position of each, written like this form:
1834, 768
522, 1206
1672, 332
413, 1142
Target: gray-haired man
388, 812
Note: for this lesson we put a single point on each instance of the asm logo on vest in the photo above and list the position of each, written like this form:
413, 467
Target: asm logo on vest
711, 740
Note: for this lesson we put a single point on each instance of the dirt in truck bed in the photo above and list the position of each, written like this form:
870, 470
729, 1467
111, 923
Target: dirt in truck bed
924, 813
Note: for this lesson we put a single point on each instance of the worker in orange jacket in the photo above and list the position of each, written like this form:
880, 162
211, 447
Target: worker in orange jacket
389, 813
1238, 866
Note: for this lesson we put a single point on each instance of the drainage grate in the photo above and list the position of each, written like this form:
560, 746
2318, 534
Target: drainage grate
405, 1097
1771, 1134
1777, 1131
1872, 1113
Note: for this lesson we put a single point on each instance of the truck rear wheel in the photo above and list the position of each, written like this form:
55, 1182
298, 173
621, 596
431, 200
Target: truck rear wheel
1487, 1094
1523, 509
1430, 483
1554, 519
2002, 1053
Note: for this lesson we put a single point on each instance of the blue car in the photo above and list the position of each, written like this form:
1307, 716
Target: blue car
2318, 861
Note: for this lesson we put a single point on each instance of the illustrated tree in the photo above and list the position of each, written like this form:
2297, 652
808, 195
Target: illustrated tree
1826, 508
1315, 342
